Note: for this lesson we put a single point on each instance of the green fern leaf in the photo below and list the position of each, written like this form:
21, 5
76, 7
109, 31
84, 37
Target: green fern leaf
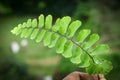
99, 49
24, 33
28, 24
29, 31
93, 39
68, 49
18, 29
34, 33
80, 51
99, 67
54, 40
40, 36
34, 22
64, 24
47, 38
76, 55
73, 27
48, 22
57, 25
60, 45
41, 21
85, 60
82, 35
23, 26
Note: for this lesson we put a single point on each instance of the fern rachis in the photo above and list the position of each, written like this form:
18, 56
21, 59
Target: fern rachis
60, 35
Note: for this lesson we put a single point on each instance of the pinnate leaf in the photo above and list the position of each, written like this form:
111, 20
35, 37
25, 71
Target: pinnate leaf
61, 35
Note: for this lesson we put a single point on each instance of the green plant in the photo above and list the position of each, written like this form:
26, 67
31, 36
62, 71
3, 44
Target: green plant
62, 36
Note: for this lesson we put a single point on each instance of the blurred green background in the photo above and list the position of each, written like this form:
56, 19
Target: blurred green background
23, 59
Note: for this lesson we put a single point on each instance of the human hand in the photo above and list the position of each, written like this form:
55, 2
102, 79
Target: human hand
83, 76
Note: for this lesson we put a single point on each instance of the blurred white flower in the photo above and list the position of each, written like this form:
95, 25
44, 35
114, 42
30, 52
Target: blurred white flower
48, 78
24, 43
15, 47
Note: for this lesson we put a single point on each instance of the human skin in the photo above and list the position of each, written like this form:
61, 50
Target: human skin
83, 76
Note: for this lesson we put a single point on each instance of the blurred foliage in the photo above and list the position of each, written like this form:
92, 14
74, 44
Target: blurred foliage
115, 58
62, 71
56, 7
11, 68
4, 10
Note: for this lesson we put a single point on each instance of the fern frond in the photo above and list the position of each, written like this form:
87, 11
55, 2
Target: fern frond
60, 35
